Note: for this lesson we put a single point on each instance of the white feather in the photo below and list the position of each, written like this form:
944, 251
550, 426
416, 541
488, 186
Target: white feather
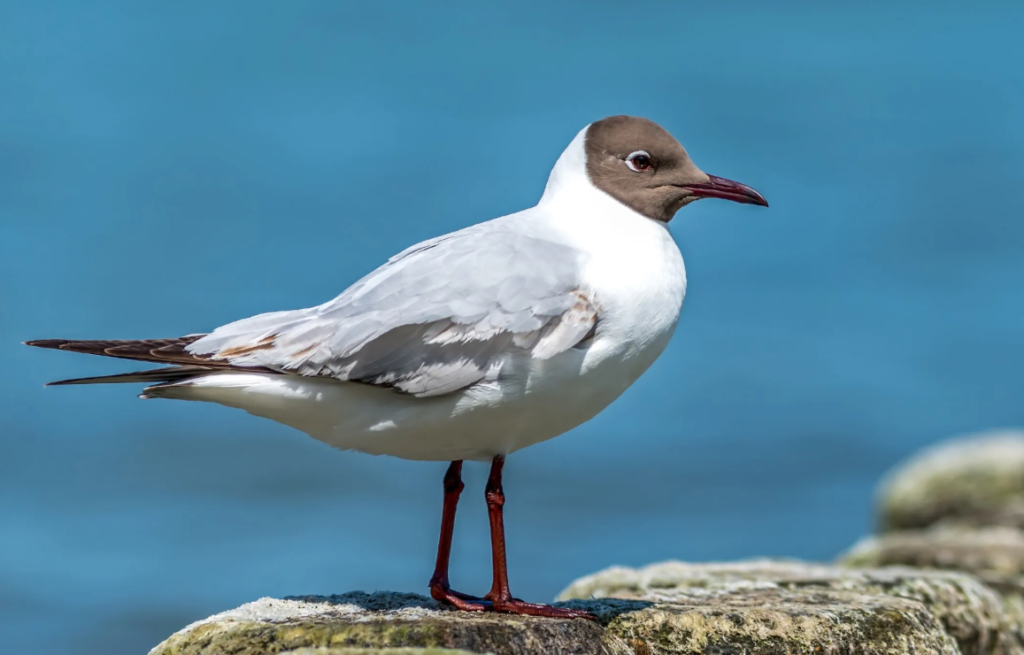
532, 372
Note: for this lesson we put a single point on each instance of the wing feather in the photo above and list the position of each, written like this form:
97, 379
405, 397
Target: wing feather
438, 317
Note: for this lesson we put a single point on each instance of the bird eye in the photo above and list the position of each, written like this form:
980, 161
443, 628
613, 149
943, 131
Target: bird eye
639, 161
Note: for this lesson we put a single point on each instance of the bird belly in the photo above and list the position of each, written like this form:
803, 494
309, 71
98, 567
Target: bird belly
487, 419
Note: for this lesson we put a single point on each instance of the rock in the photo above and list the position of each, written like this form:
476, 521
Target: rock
994, 555
776, 621
976, 617
976, 480
957, 506
376, 651
376, 621
759, 608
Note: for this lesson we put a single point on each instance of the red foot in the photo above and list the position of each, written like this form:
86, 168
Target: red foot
443, 593
516, 606
468, 603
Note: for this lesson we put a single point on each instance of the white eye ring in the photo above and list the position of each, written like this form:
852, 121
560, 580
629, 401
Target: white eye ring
639, 161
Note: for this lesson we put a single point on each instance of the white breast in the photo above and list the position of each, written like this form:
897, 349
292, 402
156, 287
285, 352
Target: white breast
634, 269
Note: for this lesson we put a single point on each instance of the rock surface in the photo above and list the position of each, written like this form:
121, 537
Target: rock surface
976, 480
376, 651
957, 506
376, 621
992, 554
754, 608
976, 617
956, 513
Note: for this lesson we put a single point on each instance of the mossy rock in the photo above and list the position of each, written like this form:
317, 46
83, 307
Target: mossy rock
376, 651
376, 621
993, 554
976, 617
755, 619
976, 480
776, 622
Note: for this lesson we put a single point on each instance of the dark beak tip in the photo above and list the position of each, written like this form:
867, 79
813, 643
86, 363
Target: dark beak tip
719, 187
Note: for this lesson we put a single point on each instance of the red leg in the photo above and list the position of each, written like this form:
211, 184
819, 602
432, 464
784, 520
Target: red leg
439, 586
500, 596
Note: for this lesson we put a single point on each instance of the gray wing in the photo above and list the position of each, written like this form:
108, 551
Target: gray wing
438, 317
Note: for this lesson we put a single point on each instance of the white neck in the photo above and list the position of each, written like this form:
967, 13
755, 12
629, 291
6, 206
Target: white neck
571, 200
570, 171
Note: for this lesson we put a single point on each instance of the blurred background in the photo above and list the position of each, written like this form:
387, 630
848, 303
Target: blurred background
169, 167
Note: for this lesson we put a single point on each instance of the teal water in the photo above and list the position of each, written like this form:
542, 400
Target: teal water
165, 168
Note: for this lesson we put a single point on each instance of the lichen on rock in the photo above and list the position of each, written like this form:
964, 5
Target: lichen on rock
757, 608
946, 577
957, 506
382, 620
762, 621
376, 651
976, 617
974, 480
993, 553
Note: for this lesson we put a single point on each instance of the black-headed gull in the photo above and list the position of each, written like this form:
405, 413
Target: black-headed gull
477, 343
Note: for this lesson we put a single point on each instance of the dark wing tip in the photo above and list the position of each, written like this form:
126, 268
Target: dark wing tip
61, 383
47, 343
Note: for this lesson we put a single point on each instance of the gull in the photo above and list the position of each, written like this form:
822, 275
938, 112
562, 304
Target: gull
474, 344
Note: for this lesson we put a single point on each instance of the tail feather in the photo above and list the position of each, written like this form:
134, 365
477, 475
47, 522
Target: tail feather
157, 375
167, 351
183, 364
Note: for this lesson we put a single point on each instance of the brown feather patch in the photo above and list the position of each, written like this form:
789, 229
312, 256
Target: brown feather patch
266, 343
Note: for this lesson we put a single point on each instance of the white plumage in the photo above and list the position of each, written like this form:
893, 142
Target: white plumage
474, 344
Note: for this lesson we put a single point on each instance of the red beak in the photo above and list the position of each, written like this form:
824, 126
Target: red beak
719, 187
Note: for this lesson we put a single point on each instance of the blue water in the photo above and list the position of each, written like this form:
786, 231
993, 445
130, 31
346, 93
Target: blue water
168, 167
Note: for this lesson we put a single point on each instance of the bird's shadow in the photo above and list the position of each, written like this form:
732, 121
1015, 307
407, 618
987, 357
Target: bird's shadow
605, 609
378, 601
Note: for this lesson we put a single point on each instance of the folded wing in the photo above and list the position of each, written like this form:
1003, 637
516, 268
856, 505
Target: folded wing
436, 318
